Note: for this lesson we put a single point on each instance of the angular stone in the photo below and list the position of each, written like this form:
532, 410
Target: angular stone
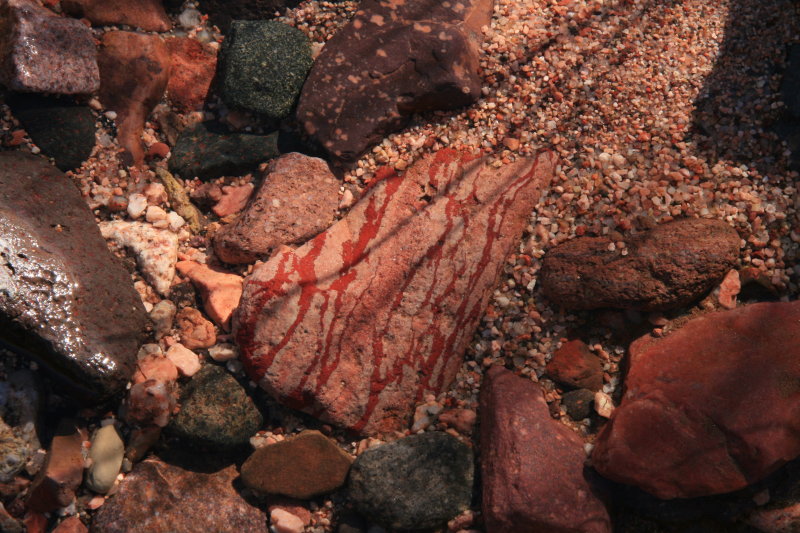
157, 496
233, 199
55, 484
264, 65
417, 482
374, 313
300, 467
106, 453
63, 130
207, 151
186, 361
134, 70
220, 290
193, 68
216, 412
710, 408
63, 296
155, 366
532, 466
44, 53
392, 59
148, 15
574, 365
666, 267
296, 200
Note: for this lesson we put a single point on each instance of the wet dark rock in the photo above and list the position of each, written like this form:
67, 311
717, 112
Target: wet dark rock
264, 65
63, 130
63, 297
223, 12
216, 412
578, 403
417, 482
207, 151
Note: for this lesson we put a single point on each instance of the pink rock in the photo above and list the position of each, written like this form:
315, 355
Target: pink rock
360, 323
533, 467
56, 483
134, 69
710, 408
42, 52
186, 361
150, 403
729, 289
575, 365
193, 68
220, 290
155, 366
285, 522
233, 199
148, 15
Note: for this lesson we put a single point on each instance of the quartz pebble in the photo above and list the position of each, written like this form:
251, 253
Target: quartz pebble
186, 361
106, 454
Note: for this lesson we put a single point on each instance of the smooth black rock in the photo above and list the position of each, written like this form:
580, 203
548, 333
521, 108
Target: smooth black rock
64, 299
216, 413
63, 130
418, 482
207, 151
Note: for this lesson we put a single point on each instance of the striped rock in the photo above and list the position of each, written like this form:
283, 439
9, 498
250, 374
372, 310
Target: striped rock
369, 316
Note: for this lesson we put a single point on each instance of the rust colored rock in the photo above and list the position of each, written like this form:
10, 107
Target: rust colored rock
42, 52
300, 467
155, 366
220, 290
534, 477
392, 59
361, 322
134, 69
664, 268
148, 15
191, 73
709, 409
233, 199
160, 497
71, 524
297, 199
574, 365
55, 484
196, 331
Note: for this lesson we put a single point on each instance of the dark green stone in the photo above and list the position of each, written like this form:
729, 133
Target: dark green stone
264, 65
207, 151
216, 413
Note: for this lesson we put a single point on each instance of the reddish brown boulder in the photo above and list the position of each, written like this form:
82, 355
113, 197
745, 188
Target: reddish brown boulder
191, 73
666, 267
533, 467
148, 15
710, 408
55, 484
574, 365
362, 321
297, 200
392, 59
134, 69
160, 497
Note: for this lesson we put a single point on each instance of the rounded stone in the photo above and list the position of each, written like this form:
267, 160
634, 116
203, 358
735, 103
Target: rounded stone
106, 453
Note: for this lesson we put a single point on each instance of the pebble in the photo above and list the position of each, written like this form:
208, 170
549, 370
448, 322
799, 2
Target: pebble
185, 360
223, 352
285, 522
603, 404
156, 366
106, 453
137, 204
163, 315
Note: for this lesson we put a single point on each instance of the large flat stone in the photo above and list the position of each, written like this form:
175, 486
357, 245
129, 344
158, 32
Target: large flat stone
63, 296
533, 467
392, 59
710, 408
372, 314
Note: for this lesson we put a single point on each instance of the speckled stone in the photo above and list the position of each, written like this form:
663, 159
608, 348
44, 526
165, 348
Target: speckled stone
264, 65
42, 52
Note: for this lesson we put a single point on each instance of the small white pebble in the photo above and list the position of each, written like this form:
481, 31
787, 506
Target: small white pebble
137, 203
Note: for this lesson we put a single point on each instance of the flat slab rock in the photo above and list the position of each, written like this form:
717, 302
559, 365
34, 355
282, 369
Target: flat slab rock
362, 321
63, 296
391, 60
709, 409
533, 466
161, 498
664, 268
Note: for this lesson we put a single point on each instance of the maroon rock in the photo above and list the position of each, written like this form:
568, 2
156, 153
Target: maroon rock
148, 15
297, 199
42, 52
392, 59
574, 365
710, 408
361, 322
134, 69
55, 484
160, 497
533, 467
663, 268
191, 73
71, 524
